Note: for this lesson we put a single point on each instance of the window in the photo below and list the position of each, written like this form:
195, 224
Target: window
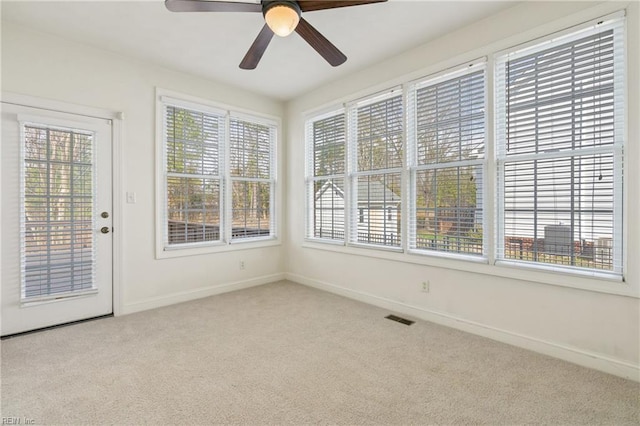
252, 178
326, 167
219, 176
193, 143
447, 122
552, 174
376, 168
559, 114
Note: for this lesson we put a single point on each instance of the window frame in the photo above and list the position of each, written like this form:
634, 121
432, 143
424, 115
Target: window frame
352, 211
311, 178
166, 97
616, 23
271, 180
221, 115
478, 65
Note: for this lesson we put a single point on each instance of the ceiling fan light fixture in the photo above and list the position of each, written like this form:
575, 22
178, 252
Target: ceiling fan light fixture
282, 17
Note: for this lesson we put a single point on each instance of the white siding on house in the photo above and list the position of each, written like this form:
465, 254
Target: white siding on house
376, 214
329, 212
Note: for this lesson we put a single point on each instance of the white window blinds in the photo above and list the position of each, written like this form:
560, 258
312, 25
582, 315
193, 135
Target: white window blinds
326, 176
560, 111
447, 139
193, 146
376, 161
252, 160
220, 175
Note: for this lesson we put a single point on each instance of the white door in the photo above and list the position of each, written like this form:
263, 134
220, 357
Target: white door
56, 218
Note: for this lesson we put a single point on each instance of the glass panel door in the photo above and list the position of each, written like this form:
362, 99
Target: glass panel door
56, 218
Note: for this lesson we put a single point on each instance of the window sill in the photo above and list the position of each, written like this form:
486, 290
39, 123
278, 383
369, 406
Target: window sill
196, 250
340, 243
461, 257
580, 280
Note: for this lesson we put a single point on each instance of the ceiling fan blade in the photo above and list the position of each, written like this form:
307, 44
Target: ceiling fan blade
211, 6
255, 52
311, 5
323, 46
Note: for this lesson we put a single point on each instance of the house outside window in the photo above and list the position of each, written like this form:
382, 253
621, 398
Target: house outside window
326, 176
376, 159
374, 165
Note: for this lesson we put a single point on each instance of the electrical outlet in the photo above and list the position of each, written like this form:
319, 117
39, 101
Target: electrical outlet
425, 286
242, 265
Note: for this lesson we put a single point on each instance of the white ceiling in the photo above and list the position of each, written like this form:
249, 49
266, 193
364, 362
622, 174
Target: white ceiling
212, 45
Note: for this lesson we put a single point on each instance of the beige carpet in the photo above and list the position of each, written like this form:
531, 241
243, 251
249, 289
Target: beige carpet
287, 354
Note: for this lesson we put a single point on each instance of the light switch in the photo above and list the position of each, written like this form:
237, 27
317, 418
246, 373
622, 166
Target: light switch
131, 197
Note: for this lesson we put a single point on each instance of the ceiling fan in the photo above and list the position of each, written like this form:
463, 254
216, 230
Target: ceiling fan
282, 17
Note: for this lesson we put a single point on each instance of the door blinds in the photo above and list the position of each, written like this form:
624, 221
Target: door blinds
58, 190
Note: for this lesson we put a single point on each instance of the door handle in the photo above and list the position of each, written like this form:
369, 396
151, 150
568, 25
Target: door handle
104, 229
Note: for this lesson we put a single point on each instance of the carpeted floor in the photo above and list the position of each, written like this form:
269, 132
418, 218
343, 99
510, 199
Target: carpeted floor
287, 354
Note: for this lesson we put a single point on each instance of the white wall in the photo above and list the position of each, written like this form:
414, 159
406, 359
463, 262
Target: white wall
50, 67
543, 312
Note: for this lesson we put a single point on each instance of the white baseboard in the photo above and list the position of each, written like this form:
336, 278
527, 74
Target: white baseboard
574, 355
185, 296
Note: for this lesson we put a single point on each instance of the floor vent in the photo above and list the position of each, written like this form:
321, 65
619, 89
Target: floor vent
399, 319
